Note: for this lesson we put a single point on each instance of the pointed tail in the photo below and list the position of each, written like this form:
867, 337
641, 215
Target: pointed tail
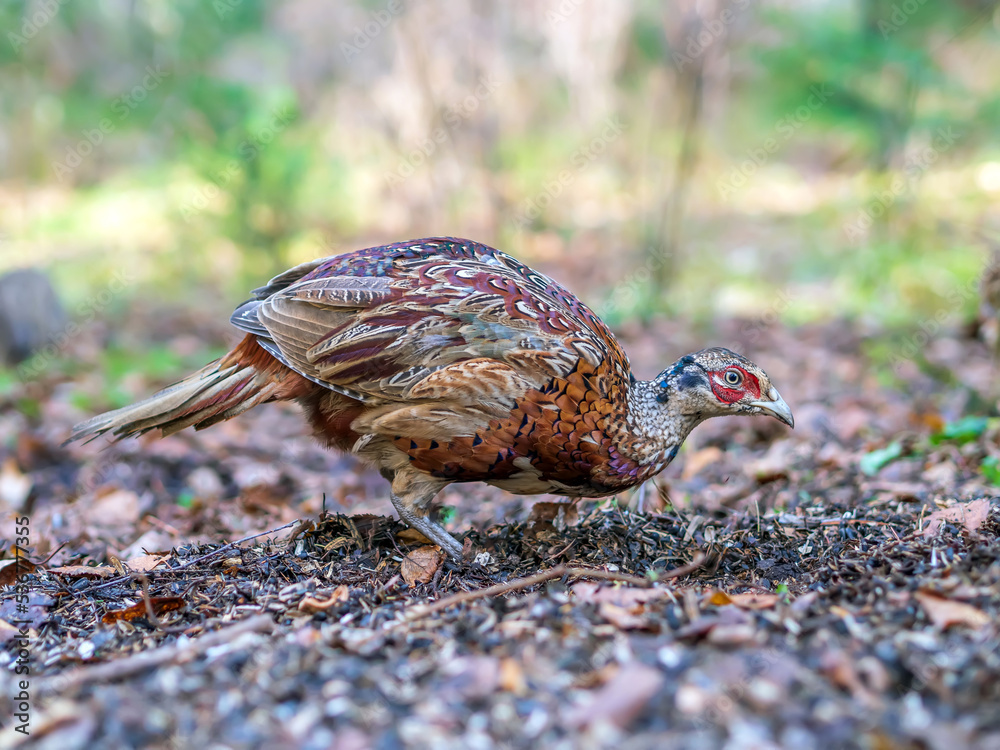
240, 380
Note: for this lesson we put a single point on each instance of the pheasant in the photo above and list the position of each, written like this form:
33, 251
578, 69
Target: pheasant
443, 360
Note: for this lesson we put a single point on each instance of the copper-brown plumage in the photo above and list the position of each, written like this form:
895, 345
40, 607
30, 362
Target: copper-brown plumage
443, 360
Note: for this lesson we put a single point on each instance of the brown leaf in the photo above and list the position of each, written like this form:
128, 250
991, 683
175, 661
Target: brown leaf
84, 571
152, 542
159, 604
743, 601
313, 604
719, 598
557, 515
622, 606
116, 509
945, 612
11, 570
624, 618
263, 498
971, 515
145, 563
420, 565
621, 699
412, 536
842, 671
512, 677
622, 596
732, 634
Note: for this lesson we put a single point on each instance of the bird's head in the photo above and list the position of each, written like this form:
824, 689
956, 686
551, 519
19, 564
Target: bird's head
716, 382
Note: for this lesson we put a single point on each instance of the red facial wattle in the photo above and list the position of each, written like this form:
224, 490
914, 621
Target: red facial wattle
749, 386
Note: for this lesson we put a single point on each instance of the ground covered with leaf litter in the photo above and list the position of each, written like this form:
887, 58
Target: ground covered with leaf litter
833, 587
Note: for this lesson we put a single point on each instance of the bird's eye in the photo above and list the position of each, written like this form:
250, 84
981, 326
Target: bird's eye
733, 377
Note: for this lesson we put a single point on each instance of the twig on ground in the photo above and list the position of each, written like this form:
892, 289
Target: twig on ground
233, 544
131, 665
120, 580
417, 611
155, 621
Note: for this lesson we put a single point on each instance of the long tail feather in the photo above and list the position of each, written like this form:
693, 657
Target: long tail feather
242, 379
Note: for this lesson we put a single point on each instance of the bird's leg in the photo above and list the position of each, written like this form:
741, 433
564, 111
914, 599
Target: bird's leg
411, 496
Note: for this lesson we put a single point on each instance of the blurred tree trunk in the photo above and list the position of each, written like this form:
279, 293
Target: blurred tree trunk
684, 25
691, 88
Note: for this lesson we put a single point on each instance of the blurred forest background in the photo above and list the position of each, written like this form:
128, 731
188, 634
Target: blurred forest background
771, 160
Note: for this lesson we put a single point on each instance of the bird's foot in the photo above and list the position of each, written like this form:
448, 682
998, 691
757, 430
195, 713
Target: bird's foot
433, 531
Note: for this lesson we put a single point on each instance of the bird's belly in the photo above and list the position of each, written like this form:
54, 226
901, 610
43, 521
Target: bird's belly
523, 483
531, 483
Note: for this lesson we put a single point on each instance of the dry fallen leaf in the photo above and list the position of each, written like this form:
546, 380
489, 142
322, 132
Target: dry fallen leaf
557, 515
755, 601
115, 509
11, 570
84, 571
512, 677
945, 612
159, 604
743, 601
412, 536
621, 596
420, 565
117, 565
313, 604
719, 598
145, 563
842, 671
732, 634
971, 515
621, 699
622, 606
625, 618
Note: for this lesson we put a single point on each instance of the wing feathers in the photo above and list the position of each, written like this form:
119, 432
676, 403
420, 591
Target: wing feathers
436, 325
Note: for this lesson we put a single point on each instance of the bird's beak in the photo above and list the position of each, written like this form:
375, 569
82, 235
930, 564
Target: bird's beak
776, 407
